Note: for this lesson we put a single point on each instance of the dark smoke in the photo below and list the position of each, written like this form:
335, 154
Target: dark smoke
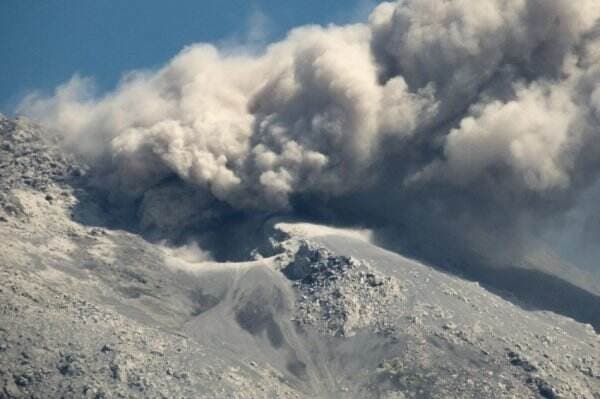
460, 126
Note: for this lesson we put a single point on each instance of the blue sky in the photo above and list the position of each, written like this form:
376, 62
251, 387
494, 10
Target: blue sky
44, 42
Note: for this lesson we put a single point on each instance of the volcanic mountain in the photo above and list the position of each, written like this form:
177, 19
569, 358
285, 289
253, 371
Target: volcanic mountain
96, 304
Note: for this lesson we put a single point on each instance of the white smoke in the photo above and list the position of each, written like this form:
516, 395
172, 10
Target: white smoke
495, 102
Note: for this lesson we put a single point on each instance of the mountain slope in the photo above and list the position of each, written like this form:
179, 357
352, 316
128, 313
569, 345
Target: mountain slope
88, 309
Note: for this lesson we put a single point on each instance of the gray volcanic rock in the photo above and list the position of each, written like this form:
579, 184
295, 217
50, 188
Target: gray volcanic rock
338, 294
92, 311
32, 159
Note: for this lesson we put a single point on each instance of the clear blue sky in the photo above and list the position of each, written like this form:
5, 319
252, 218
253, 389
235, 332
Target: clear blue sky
44, 42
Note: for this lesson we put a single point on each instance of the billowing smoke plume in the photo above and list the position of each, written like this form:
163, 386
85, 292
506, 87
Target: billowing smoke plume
442, 119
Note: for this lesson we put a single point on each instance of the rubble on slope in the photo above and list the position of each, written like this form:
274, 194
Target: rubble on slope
339, 294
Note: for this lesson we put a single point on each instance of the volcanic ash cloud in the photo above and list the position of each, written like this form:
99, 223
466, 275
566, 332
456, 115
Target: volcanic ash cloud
484, 113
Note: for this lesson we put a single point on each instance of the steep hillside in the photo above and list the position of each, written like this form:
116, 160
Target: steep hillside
89, 308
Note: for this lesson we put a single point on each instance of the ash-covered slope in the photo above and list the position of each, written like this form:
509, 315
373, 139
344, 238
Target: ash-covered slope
90, 310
